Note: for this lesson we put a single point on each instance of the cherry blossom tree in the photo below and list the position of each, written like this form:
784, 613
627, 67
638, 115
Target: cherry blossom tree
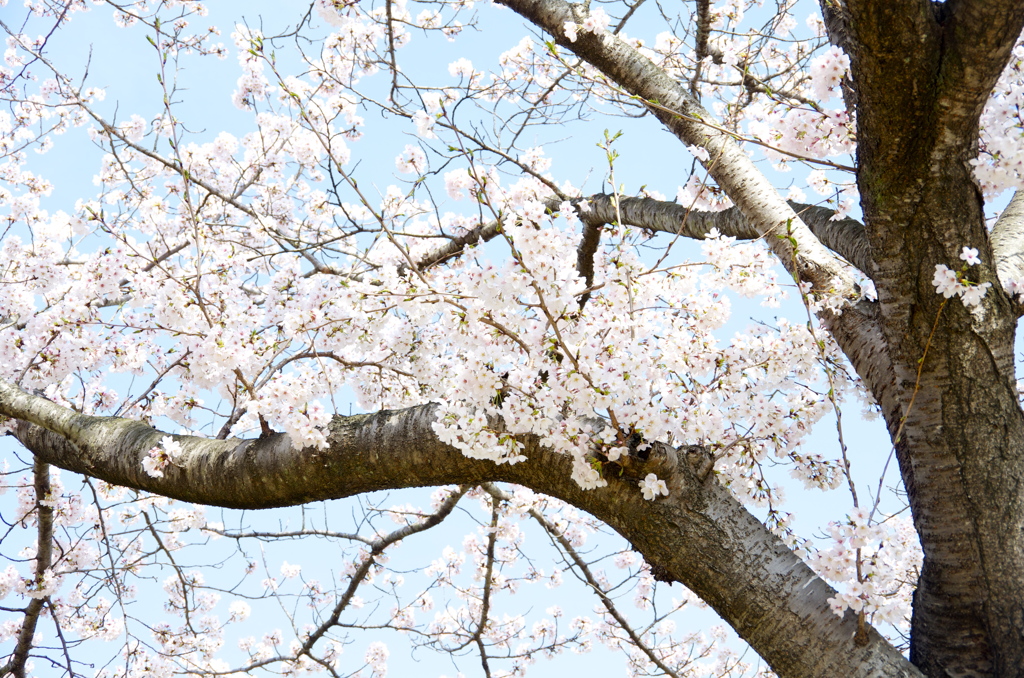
549, 346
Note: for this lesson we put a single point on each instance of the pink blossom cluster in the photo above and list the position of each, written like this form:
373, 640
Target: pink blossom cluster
596, 21
160, 457
1000, 163
882, 583
827, 72
950, 283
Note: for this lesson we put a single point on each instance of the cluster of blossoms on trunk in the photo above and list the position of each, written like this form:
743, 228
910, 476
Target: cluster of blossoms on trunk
950, 283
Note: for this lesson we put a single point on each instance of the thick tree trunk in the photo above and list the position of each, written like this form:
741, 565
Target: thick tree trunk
923, 73
700, 535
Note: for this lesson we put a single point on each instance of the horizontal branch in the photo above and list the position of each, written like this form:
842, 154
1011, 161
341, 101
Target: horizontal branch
700, 534
845, 237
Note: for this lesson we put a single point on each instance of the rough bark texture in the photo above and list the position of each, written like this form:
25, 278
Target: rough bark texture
700, 534
923, 72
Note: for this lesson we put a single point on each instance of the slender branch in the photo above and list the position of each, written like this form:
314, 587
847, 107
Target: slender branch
485, 603
44, 553
701, 48
483, 232
580, 564
378, 547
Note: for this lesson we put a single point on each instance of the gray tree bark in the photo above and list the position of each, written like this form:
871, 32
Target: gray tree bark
700, 535
923, 73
